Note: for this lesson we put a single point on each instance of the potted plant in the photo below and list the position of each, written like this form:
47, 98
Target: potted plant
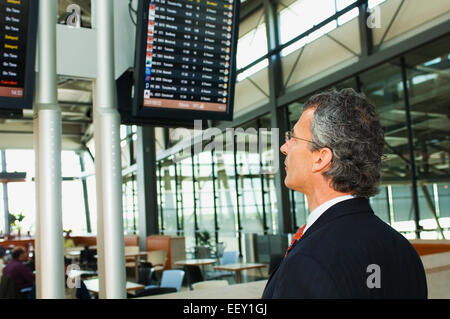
203, 250
16, 222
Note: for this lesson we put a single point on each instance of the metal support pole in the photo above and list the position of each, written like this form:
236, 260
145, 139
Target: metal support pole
110, 237
133, 196
262, 179
146, 185
177, 206
388, 205
161, 203
213, 175
238, 196
365, 32
415, 197
194, 196
85, 195
47, 145
5, 197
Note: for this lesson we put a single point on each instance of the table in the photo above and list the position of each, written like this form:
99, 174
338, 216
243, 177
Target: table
237, 268
74, 253
196, 262
93, 285
201, 262
81, 273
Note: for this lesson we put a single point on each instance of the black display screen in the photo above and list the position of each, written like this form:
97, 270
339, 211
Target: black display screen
18, 24
185, 64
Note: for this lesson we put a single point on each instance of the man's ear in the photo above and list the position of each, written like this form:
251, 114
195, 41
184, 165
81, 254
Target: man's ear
322, 160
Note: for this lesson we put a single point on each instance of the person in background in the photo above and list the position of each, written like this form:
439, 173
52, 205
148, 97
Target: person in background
18, 271
68, 242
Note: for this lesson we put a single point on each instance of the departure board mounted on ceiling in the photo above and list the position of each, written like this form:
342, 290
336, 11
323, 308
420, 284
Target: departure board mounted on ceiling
186, 59
18, 32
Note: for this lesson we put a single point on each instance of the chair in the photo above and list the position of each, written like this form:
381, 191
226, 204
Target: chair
130, 262
9, 290
145, 274
170, 279
152, 292
157, 258
228, 258
209, 284
87, 259
220, 248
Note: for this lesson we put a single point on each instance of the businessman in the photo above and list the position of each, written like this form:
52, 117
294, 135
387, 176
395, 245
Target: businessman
333, 156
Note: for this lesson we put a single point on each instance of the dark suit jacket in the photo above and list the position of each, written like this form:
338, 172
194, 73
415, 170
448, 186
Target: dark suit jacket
331, 260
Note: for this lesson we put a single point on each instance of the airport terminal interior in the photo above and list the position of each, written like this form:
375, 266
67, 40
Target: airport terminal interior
198, 196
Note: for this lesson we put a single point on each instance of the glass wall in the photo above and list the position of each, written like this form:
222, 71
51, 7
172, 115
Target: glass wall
130, 206
429, 101
21, 195
383, 85
22, 161
428, 83
222, 187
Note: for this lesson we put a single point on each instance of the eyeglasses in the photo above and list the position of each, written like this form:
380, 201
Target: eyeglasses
289, 135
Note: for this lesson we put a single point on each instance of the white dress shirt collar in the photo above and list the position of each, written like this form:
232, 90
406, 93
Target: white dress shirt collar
318, 211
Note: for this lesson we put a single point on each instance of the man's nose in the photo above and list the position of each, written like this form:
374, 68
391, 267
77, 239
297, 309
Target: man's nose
284, 148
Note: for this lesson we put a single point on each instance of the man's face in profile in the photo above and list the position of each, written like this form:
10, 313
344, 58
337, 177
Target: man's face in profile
298, 162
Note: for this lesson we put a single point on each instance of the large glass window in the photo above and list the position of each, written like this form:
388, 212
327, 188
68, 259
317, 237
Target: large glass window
168, 198
226, 192
186, 197
252, 44
73, 208
130, 209
304, 14
383, 86
428, 81
21, 196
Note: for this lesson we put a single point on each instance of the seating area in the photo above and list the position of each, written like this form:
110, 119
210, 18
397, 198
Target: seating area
156, 270
155, 275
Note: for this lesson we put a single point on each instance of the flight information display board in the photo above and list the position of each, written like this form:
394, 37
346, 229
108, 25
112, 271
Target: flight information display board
185, 63
18, 25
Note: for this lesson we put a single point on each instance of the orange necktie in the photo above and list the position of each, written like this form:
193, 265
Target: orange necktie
297, 236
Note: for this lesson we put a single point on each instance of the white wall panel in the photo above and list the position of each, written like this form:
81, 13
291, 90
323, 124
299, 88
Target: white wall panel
318, 56
248, 96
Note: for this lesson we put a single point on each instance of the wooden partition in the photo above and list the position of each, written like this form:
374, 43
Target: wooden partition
428, 247
130, 240
20, 242
175, 247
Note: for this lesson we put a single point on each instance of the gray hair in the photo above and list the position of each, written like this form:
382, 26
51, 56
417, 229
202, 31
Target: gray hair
347, 123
